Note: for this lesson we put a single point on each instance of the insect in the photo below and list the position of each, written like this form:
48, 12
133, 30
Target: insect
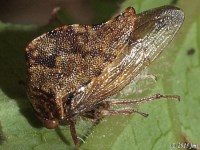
73, 70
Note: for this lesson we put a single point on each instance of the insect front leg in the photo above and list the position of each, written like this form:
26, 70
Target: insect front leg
73, 132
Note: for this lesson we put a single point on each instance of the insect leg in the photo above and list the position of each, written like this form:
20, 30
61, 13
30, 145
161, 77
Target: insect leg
125, 111
141, 100
71, 120
73, 132
104, 108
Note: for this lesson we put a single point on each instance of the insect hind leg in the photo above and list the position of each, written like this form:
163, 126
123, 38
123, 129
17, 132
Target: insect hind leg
141, 100
128, 111
124, 111
104, 108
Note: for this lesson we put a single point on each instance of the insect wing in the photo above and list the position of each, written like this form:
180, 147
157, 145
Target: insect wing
153, 30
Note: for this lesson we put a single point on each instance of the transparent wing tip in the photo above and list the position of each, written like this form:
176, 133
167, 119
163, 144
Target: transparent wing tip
176, 14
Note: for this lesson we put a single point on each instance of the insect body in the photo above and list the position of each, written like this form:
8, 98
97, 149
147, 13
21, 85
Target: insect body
74, 69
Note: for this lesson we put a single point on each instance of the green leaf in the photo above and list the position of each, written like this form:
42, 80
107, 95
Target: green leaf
169, 121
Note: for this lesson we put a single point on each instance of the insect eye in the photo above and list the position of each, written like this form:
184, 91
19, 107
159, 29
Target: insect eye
50, 124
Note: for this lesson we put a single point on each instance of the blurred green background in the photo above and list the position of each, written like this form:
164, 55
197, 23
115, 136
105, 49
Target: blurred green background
177, 71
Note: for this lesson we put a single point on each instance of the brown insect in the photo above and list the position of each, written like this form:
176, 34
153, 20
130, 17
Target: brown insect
74, 69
